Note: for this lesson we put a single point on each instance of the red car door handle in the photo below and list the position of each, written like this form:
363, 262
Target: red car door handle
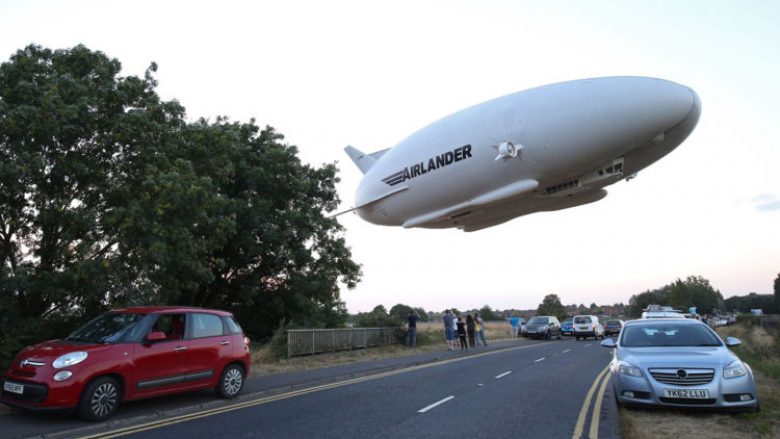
225, 343
180, 348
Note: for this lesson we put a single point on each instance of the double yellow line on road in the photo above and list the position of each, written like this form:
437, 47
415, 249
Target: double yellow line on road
255, 402
593, 432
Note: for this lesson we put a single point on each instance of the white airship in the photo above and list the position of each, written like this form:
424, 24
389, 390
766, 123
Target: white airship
543, 149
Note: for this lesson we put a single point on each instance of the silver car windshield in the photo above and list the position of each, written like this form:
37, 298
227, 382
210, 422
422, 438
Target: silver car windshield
538, 321
668, 335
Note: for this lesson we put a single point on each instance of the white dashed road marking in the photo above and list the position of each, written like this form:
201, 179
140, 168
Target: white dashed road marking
567, 350
436, 404
498, 377
541, 359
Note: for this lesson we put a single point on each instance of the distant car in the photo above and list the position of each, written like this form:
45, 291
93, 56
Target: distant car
543, 327
662, 315
587, 326
127, 354
613, 327
679, 363
567, 327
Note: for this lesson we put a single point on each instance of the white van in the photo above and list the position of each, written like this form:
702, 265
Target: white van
587, 326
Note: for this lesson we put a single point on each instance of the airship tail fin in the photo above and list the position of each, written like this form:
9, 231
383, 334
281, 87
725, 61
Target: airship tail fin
362, 160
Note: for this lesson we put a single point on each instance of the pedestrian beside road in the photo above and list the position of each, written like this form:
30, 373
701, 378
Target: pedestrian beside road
455, 318
449, 334
470, 329
462, 334
412, 331
514, 321
481, 330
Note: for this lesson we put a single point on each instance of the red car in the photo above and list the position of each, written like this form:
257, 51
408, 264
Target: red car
127, 354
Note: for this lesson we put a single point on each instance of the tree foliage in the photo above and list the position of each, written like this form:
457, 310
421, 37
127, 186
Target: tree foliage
551, 306
377, 318
750, 301
108, 196
777, 294
681, 294
488, 314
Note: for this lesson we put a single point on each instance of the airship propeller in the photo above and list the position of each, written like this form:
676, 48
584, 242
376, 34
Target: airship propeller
507, 150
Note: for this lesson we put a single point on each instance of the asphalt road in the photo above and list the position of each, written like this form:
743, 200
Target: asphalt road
515, 389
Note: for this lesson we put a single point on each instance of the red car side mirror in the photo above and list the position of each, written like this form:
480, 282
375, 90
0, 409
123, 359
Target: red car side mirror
156, 336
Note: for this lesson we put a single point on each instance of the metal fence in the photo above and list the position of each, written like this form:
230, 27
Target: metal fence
314, 341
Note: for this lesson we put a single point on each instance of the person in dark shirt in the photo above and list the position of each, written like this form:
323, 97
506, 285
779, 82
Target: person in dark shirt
470, 329
462, 334
412, 332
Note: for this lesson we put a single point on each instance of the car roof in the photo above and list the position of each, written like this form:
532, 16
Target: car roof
166, 309
662, 321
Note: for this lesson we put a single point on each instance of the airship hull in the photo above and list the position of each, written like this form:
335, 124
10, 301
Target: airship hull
543, 149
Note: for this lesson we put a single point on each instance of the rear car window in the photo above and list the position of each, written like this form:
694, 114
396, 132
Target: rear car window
582, 320
232, 326
206, 325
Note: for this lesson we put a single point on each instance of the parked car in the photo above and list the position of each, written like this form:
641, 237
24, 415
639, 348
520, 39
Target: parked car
567, 327
127, 354
662, 315
613, 327
543, 327
679, 363
587, 326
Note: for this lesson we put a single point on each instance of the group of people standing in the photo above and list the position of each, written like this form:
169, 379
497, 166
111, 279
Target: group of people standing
454, 325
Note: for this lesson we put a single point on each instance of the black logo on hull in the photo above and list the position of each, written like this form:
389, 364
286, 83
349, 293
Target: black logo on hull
434, 163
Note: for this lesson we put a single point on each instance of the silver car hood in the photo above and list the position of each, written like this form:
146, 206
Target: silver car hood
687, 356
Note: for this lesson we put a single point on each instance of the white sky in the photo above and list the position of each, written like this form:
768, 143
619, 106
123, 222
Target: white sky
331, 73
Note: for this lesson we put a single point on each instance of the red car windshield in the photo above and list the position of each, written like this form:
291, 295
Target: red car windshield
107, 328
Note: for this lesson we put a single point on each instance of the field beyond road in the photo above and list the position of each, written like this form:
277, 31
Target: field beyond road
430, 338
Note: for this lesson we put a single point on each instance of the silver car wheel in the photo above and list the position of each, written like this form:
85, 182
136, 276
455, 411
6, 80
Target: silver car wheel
104, 399
233, 381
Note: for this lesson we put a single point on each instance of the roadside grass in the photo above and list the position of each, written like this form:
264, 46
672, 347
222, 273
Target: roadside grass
430, 338
761, 350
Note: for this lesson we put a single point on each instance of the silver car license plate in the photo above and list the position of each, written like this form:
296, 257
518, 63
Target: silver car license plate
687, 393
13, 387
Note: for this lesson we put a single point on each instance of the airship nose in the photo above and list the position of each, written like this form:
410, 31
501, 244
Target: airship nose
687, 109
677, 102
650, 107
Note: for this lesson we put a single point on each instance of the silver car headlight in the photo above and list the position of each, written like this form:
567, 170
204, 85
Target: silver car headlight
630, 370
69, 359
734, 370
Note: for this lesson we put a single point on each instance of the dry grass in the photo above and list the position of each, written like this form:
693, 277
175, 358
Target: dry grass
430, 338
761, 350
493, 330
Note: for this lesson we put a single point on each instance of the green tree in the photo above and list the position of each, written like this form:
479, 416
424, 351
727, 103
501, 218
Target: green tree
639, 302
681, 294
68, 126
424, 317
694, 291
551, 306
400, 312
488, 314
748, 302
283, 258
109, 197
777, 294
377, 318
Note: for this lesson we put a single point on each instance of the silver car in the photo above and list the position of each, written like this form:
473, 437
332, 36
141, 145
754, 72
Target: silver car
679, 363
